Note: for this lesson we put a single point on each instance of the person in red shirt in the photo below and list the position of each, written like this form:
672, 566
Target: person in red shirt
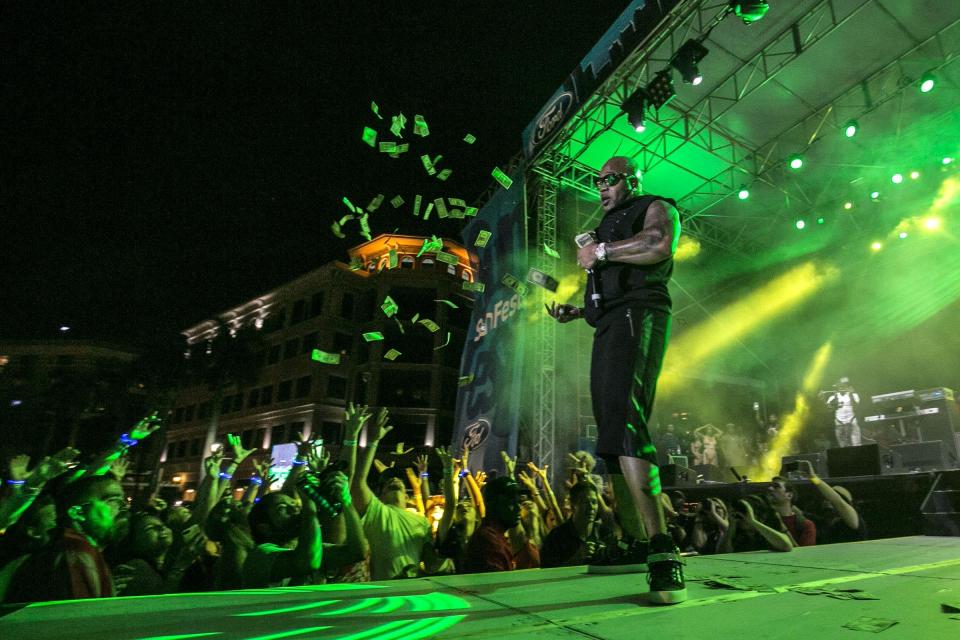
490, 548
801, 529
92, 513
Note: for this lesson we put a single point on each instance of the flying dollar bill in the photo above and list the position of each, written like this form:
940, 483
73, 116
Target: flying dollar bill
445, 343
539, 278
394, 259
335, 227
375, 203
420, 126
392, 354
473, 286
449, 303
370, 136
397, 123
513, 283
376, 109
388, 147
324, 357
432, 326
428, 164
441, 207
469, 138
553, 253
365, 227
470, 211
396, 201
502, 178
426, 213
465, 380
356, 263
373, 336
482, 238
443, 175
416, 205
449, 258
389, 307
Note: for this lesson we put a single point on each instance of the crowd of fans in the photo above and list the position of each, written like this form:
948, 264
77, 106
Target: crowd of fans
69, 531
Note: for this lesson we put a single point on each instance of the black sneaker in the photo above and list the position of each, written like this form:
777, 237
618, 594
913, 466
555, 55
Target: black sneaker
621, 556
666, 572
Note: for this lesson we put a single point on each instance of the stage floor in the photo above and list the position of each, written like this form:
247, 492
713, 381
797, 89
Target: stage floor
908, 579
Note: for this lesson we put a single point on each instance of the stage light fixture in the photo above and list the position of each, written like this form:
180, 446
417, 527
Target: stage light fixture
874, 195
820, 220
795, 161
850, 129
743, 194
686, 59
896, 178
848, 205
947, 160
634, 107
927, 82
660, 90
749, 11
801, 225
903, 235
914, 175
932, 223
876, 246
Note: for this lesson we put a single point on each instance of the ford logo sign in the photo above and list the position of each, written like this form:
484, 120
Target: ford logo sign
475, 433
553, 116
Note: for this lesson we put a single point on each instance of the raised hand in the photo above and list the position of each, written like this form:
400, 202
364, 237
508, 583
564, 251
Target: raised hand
354, 419
422, 464
119, 467
481, 478
381, 429
192, 547
527, 480
145, 427
211, 464
540, 472
510, 463
236, 448
562, 312
578, 466
18, 467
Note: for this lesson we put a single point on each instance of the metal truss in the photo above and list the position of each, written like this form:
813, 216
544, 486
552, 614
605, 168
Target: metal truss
855, 102
546, 213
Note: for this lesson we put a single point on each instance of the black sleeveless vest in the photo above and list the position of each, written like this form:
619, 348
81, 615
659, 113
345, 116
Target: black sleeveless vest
620, 283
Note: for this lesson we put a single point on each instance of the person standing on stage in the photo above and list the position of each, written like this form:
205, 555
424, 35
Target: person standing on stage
629, 263
844, 401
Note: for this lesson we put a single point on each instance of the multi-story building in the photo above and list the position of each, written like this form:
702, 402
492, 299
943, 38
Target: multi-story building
330, 309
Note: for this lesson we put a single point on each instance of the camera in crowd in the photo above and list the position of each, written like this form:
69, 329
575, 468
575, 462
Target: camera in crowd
321, 489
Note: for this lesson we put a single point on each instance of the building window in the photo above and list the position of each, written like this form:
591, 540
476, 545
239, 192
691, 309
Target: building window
426, 263
283, 391
407, 262
296, 428
337, 387
275, 320
273, 356
188, 414
171, 450
466, 275
253, 399
278, 434
238, 401
452, 269
299, 312
195, 445
266, 395
290, 348
330, 432
342, 343
310, 342
316, 304
182, 449
246, 438
225, 404
303, 386
204, 410
371, 266
178, 415
404, 388
346, 306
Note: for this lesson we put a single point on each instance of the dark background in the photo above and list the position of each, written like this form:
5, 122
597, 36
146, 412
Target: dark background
164, 161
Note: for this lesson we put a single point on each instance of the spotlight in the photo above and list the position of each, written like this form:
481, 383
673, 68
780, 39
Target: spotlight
903, 235
749, 10
914, 175
801, 224
634, 106
64, 329
876, 246
820, 220
932, 223
685, 61
660, 91
848, 205
947, 160
874, 195
896, 178
850, 129
927, 82
796, 161
743, 194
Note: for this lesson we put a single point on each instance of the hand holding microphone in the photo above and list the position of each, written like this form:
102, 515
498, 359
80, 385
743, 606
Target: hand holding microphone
582, 240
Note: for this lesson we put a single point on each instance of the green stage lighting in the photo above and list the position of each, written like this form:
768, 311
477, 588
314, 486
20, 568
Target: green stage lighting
795, 161
876, 246
875, 195
848, 205
801, 224
749, 10
686, 59
932, 223
927, 82
914, 175
903, 235
947, 160
743, 194
820, 220
850, 129
634, 107
896, 178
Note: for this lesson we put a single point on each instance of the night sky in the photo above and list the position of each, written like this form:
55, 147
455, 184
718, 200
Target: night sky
164, 161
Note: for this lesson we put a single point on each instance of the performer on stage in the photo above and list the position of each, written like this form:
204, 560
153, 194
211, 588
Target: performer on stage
629, 263
844, 401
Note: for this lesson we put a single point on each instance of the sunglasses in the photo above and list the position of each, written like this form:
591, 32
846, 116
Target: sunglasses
609, 179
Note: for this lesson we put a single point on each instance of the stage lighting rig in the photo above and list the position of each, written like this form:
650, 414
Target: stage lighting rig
686, 59
749, 11
927, 82
660, 91
634, 107
850, 128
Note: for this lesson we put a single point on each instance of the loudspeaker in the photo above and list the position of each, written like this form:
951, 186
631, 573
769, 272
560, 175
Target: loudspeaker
673, 475
817, 459
853, 461
942, 426
709, 472
923, 456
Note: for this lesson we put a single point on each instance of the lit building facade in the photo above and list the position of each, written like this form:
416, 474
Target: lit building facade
330, 309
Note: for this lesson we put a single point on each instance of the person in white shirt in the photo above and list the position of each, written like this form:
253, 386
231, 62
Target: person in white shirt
844, 401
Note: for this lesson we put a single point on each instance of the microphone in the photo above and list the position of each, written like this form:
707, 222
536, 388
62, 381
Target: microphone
583, 240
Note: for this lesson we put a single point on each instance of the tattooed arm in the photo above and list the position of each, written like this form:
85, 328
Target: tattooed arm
656, 242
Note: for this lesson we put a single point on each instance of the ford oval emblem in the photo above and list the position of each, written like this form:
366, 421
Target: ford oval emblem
553, 116
475, 433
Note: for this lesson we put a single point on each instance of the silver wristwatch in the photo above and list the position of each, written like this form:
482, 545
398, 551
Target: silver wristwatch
601, 252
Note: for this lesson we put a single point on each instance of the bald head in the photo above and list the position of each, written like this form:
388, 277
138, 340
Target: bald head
622, 171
